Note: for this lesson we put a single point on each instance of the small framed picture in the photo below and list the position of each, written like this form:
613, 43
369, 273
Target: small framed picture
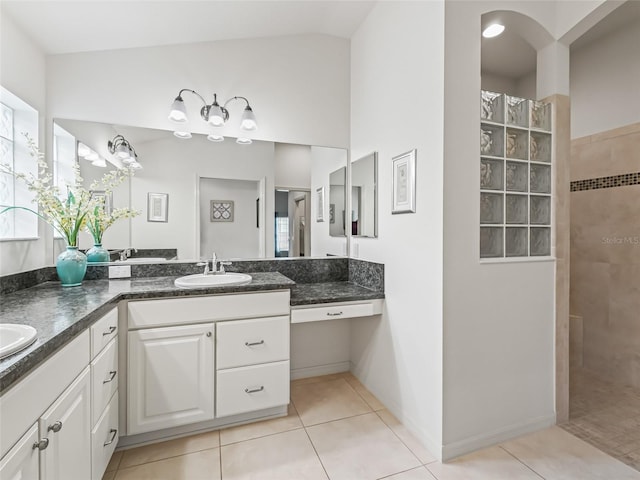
222, 210
105, 198
157, 207
320, 204
404, 183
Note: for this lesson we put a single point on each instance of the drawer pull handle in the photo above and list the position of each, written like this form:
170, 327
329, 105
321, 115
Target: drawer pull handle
112, 375
255, 390
329, 314
111, 330
113, 433
55, 427
253, 344
42, 444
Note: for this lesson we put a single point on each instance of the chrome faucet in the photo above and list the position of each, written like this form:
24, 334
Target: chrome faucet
214, 263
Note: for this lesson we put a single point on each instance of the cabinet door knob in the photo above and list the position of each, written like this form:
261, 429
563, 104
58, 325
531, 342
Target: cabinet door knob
55, 427
113, 433
111, 330
255, 390
253, 344
42, 444
208, 334
112, 375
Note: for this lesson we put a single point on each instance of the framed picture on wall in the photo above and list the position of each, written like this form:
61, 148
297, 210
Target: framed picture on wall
157, 207
404, 183
222, 210
320, 204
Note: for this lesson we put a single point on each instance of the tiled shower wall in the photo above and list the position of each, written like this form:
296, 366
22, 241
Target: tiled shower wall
605, 250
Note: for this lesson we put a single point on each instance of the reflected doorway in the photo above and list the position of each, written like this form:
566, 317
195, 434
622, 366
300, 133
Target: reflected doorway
292, 228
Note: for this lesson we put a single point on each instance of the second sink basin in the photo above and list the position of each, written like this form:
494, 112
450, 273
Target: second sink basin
14, 338
213, 280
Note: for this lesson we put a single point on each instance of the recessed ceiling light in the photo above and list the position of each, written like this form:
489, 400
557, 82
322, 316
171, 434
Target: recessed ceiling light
493, 30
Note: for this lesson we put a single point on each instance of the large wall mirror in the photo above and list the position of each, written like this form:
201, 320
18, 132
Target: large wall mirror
219, 196
364, 196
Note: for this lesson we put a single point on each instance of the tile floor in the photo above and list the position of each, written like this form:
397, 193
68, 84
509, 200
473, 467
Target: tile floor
606, 415
338, 430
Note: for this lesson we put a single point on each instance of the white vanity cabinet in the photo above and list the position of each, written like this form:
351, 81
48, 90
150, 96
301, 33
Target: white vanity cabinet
54, 418
170, 377
197, 359
52, 405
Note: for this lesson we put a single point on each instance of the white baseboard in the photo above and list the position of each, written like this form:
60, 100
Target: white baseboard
477, 442
317, 370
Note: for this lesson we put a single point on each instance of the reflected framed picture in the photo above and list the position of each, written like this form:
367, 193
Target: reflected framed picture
404, 183
157, 207
222, 210
105, 198
320, 204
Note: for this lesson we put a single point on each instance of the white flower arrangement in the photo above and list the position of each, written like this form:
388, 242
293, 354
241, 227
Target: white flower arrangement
75, 210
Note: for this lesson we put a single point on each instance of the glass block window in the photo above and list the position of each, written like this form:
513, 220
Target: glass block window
17, 118
515, 177
282, 234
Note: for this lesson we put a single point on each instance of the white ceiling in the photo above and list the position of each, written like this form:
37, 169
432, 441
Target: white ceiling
90, 25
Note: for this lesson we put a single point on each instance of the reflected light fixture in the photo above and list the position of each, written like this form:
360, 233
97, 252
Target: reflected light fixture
90, 155
215, 114
493, 30
120, 148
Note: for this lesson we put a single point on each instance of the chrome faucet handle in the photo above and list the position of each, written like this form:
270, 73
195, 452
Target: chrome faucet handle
222, 264
205, 265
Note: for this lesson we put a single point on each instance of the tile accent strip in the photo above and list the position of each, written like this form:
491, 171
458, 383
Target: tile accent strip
606, 182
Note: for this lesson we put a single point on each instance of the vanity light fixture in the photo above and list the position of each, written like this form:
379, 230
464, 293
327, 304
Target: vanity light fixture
215, 114
493, 30
124, 151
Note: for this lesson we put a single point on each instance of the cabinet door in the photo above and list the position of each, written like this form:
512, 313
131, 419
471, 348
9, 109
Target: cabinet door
21, 462
170, 377
67, 425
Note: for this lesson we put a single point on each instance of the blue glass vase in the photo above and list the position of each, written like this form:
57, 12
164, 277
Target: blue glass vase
71, 266
97, 254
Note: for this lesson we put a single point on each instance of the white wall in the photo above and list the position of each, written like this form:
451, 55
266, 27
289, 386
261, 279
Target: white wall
397, 74
604, 86
171, 166
238, 238
293, 166
498, 318
323, 162
298, 85
22, 72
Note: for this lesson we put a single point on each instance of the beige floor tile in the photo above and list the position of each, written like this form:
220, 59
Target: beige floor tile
487, 464
318, 379
204, 465
114, 463
284, 456
366, 395
261, 429
170, 448
326, 401
361, 447
557, 454
406, 436
420, 473
109, 475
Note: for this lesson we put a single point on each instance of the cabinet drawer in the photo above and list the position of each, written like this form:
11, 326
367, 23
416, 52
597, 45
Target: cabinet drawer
246, 389
104, 438
104, 379
103, 331
335, 311
176, 311
252, 341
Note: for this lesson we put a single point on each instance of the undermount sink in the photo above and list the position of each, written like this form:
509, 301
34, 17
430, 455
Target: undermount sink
212, 280
143, 260
14, 338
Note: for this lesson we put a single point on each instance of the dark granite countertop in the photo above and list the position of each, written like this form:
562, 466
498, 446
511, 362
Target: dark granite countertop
60, 314
330, 292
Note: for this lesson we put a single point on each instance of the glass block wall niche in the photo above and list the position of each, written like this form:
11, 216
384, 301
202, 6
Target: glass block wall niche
515, 177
